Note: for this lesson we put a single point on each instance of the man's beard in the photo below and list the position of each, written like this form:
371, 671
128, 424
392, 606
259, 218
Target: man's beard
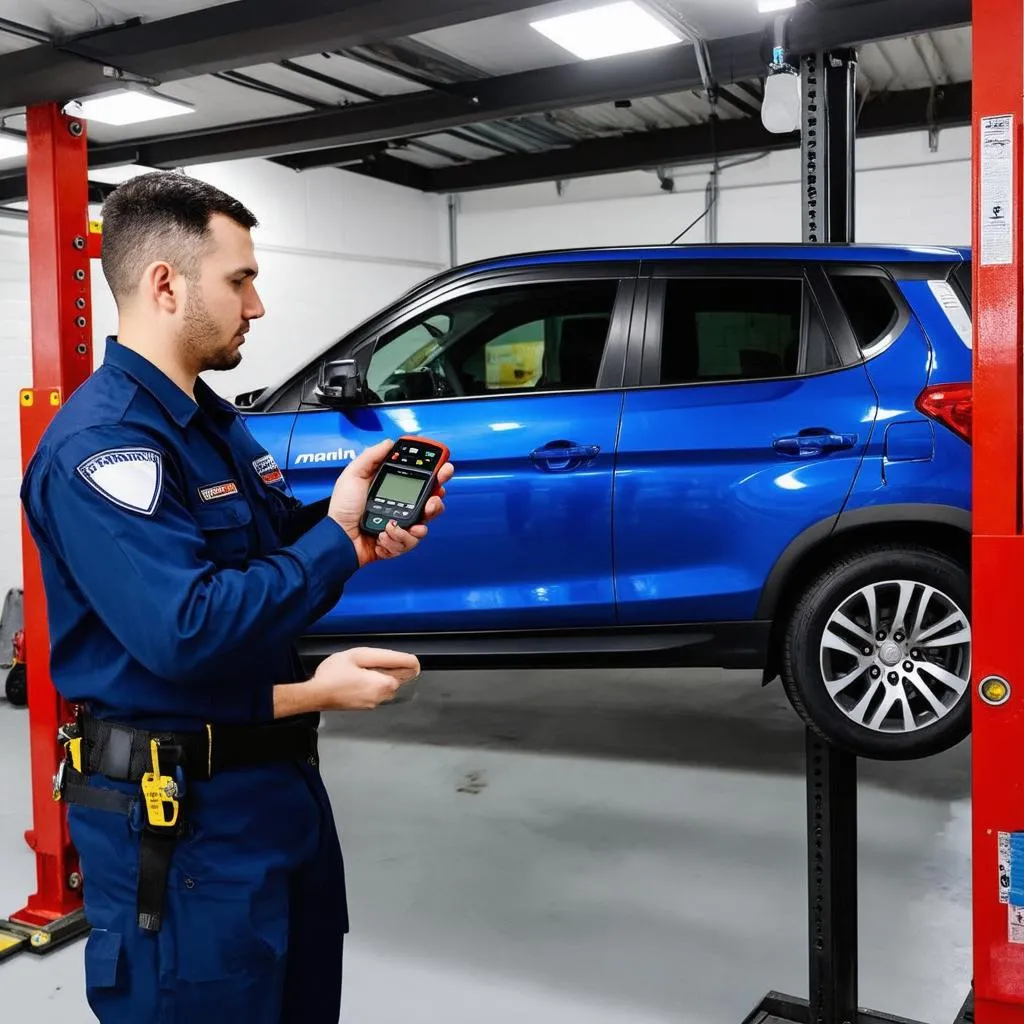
199, 337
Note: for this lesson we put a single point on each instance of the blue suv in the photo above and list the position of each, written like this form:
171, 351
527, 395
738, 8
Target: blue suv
744, 457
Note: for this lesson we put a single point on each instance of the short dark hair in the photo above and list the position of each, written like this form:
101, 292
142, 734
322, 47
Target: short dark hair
163, 215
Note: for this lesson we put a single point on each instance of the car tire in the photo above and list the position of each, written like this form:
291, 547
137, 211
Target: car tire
884, 705
16, 687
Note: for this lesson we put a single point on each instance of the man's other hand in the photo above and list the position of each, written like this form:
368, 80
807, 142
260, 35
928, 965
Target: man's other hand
362, 678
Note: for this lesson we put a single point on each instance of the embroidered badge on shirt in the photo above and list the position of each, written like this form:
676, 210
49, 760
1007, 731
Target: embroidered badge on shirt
267, 468
131, 478
217, 491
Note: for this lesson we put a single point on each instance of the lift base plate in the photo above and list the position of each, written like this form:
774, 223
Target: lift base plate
777, 1008
16, 937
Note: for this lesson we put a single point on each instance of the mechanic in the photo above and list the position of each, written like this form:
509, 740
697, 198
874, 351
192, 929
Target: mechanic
179, 570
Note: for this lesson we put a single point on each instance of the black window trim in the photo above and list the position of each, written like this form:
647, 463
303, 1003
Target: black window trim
895, 327
657, 275
360, 343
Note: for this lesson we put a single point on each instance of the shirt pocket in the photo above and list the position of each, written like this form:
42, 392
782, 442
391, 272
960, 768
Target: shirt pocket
226, 529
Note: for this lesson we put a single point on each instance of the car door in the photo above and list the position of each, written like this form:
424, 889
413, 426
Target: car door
747, 429
520, 375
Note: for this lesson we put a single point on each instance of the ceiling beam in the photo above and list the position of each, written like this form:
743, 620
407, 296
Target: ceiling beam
383, 120
339, 156
15, 190
398, 172
222, 38
885, 114
632, 76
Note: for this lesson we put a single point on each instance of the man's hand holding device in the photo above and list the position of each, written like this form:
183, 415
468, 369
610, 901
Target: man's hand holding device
385, 497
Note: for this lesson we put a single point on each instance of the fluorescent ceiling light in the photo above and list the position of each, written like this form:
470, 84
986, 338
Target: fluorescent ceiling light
127, 106
12, 146
607, 31
768, 6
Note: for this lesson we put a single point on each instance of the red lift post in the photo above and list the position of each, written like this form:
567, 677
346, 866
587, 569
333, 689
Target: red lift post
60, 246
998, 562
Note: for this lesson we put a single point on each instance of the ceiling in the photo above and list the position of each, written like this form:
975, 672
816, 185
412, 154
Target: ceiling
453, 95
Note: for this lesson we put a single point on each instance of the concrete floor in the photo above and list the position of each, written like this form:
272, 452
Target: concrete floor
590, 847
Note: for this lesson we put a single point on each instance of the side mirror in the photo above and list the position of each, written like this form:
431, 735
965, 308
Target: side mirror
341, 383
248, 398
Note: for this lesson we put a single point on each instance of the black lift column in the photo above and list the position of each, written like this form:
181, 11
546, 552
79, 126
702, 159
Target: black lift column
828, 82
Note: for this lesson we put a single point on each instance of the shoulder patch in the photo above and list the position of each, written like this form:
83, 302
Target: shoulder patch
267, 469
131, 478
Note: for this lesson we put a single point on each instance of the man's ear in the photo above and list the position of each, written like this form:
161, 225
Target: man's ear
163, 286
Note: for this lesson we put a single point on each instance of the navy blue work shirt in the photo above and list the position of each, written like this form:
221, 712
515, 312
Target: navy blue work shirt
179, 569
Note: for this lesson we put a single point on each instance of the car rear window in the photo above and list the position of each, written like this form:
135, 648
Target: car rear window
869, 306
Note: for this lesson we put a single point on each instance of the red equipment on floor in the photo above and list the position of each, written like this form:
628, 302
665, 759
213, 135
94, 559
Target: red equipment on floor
16, 684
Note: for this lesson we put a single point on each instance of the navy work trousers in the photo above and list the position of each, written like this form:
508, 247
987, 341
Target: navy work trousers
254, 916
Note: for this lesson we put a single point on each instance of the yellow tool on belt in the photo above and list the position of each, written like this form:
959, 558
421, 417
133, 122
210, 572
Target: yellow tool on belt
72, 750
161, 792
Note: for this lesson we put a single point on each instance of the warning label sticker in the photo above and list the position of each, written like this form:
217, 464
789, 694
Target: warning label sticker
1004, 867
1016, 934
995, 217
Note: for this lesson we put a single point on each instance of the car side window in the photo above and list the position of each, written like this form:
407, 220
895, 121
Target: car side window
868, 302
724, 329
523, 338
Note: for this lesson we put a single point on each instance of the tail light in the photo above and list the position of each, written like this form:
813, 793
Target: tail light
952, 405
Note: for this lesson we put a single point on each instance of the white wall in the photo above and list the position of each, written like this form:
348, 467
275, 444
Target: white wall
15, 373
332, 246
905, 194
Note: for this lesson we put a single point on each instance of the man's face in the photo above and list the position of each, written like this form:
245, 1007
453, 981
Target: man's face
223, 300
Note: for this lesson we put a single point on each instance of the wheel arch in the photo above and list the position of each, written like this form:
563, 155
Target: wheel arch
946, 528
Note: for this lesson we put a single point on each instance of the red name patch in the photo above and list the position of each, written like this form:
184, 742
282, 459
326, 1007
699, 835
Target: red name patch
217, 491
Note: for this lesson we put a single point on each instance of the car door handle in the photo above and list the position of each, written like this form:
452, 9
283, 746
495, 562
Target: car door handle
806, 446
563, 456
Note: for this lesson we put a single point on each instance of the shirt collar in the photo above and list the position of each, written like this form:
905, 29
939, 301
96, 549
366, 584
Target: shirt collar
179, 406
210, 402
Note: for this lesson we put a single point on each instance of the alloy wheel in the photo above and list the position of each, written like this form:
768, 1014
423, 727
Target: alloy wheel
895, 656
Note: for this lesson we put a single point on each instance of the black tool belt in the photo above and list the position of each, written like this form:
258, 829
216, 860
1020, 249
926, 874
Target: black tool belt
164, 764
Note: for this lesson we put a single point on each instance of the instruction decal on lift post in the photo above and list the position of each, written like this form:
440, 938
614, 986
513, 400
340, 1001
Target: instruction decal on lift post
1004, 867
996, 213
1011, 856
